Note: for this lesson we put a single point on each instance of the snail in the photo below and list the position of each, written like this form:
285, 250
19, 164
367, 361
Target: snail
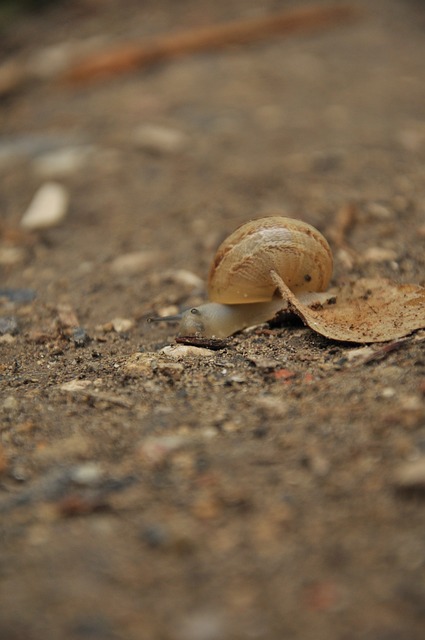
243, 281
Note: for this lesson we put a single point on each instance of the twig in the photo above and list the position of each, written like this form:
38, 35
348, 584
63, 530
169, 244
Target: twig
130, 57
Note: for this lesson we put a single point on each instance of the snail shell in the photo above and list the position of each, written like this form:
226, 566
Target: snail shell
246, 271
295, 250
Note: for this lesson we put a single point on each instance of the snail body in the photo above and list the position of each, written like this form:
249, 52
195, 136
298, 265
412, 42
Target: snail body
242, 285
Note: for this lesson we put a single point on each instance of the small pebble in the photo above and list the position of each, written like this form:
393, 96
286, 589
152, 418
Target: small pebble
265, 363
186, 351
378, 254
122, 325
18, 295
362, 353
185, 278
411, 475
379, 211
9, 325
159, 139
10, 404
140, 364
62, 162
75, 386
155, 536
388, 392
86, 474
48, 207
7, 339
133, 263
80, 337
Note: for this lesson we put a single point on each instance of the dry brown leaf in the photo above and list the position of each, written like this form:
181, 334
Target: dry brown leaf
367, 310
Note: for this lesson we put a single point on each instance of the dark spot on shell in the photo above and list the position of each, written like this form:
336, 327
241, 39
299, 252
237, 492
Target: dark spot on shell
307, 277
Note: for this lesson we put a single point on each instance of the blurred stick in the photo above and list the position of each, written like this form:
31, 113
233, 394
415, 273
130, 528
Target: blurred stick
127, 58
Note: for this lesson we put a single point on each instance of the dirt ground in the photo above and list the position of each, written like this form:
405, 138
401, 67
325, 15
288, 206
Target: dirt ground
262, 491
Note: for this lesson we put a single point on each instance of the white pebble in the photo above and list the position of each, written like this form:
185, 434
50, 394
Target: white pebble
75, 385
48, 207
184, 351
378, 254
159, 139
122, 325
388, 392
185, 278
87, 473
379, 211
133, 263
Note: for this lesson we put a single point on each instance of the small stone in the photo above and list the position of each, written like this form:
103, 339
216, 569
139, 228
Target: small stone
86, 474
62, 162
7, 339
388, 392
10, 404
362, 353
159, 139
80, 337
122, 325
379, 211
75, 386
169, 310
284, 375
185, 278
378, 254
133, 263
48, 207
265, 363
140, 365
185, 351
9, 324
18, 295
411, 475
155, 536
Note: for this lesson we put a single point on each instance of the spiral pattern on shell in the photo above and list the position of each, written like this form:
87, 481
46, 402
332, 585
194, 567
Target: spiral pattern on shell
294, 249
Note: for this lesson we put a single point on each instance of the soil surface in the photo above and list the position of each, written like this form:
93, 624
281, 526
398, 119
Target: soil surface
274, 488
